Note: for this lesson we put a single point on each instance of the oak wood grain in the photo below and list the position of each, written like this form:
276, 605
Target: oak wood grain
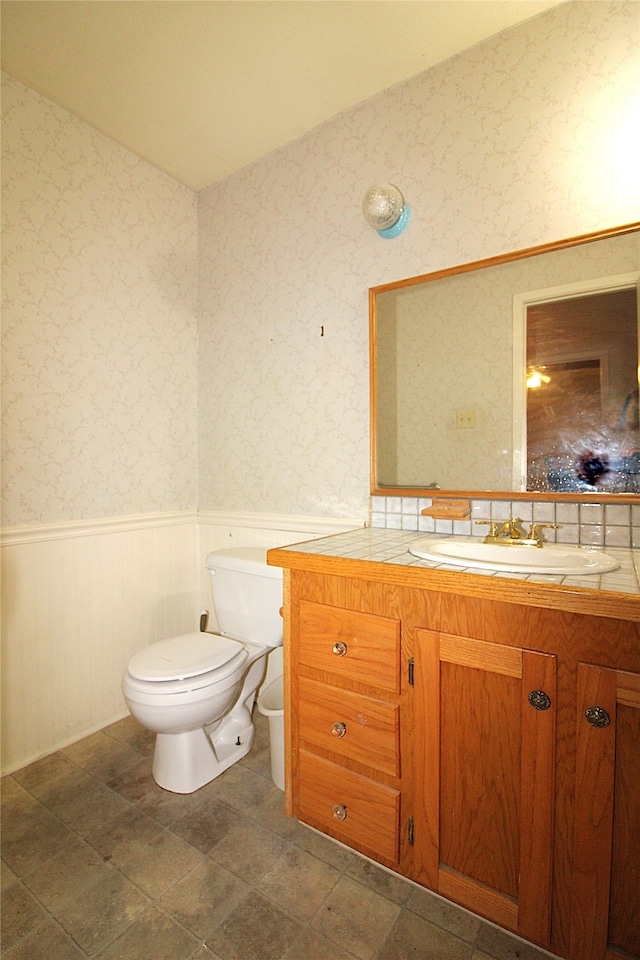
371, 734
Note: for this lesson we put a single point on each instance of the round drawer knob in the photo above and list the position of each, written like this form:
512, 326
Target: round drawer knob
339, 648
597, 717
338, 729
339, 812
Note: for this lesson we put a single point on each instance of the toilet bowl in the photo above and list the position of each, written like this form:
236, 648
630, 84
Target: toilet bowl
196, 691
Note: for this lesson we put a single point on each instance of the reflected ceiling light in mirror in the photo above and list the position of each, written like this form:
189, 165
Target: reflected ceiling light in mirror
535, 378
386, 210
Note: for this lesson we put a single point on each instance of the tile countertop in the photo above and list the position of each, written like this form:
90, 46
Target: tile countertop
615, 594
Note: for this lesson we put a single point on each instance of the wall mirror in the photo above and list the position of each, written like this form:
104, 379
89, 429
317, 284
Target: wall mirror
512, 375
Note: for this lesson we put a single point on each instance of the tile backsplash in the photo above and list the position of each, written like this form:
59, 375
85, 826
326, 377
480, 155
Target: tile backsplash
587, 524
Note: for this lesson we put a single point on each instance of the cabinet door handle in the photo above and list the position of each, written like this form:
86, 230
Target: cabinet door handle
338, 729
597, 717
339, 648
539, 700
339, 812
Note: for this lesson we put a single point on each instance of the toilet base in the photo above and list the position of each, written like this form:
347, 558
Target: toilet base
184, 762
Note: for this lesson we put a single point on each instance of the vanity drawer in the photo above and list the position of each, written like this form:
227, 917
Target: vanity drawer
352, 808
351, 726
351, 645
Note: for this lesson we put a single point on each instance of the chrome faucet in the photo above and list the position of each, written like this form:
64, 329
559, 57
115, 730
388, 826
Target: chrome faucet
511, 533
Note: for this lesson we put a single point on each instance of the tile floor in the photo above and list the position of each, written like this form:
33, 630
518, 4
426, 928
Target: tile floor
99, 862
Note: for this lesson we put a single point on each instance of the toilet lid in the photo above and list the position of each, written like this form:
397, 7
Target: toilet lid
179, 658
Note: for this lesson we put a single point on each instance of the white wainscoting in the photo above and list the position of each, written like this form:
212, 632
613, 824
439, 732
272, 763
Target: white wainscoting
78, 599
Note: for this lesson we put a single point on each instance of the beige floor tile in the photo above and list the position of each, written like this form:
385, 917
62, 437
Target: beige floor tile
136, 784
382, 881
21, 912
39, 775
244, 790
7, 877
204, 821
129, 731
153, 935
356, 917
104, 912
256, 930
247, 849
413, 938
500, 945
83, 802
10, 790
19, 809
101, 756
324, 848
69, 877
259, 758
145, 851
130, 826
269, 811
299, 883
311, 945
444, 914
204, 898
46, 942
31, 835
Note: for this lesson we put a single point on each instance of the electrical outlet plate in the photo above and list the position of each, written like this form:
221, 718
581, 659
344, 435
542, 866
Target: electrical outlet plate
465, 419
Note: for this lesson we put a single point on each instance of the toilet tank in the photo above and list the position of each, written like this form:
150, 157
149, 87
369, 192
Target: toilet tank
247, 595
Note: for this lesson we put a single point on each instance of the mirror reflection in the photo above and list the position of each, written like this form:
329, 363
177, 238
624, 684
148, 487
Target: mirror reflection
515, 374
582, 394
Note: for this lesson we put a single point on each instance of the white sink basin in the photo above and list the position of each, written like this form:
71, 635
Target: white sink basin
554, 558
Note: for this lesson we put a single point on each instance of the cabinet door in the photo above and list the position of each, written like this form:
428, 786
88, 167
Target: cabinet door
606, 909
485, 746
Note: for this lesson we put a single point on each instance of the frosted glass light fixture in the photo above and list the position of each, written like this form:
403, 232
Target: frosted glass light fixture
385, 210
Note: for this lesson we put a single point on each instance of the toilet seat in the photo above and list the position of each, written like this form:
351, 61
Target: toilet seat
188, 665
180, 658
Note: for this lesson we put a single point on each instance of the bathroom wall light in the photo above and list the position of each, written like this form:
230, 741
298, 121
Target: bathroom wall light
385, 210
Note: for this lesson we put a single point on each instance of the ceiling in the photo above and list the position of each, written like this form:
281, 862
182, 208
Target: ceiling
201, 88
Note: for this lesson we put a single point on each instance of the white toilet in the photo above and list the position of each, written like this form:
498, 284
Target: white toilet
196, 691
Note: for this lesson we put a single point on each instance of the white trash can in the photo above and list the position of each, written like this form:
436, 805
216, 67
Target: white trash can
271, 705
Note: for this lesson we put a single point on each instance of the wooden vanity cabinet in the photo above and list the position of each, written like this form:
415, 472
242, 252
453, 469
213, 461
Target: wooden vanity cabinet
444, 735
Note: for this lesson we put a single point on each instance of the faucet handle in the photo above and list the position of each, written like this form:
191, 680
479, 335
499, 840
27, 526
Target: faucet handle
493, 527
535, 528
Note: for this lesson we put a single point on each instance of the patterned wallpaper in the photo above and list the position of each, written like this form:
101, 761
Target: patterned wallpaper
520, 140
100, 336
523, 139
